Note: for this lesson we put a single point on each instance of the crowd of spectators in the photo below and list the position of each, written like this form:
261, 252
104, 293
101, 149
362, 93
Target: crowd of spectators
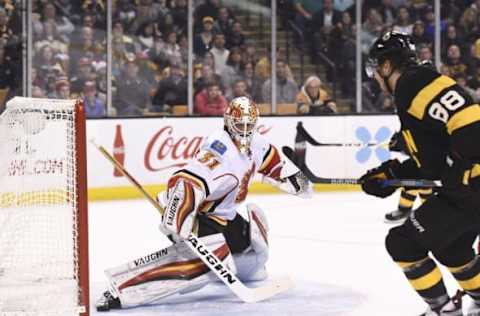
329, 26
150, 52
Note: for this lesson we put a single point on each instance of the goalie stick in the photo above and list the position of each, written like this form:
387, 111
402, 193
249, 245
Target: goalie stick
307, 137
248, 295
290, 153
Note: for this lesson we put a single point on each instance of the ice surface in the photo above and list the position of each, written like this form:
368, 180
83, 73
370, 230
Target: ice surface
331, 245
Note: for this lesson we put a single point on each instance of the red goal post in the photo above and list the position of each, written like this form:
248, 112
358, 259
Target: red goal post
43, 208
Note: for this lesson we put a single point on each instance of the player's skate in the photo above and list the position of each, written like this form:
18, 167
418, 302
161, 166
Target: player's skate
452, 308
473, 310
397, 216
107, 302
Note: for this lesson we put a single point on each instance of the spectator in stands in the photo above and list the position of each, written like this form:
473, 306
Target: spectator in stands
7, 73
37, 92
235, 37
429, 18
209, 8
6, 32
83, 75
326, 18
203, 42
171, 49
231, 72
125, 11
207, 75
50, 37
239, 89
467, 23
132, 91
46, 60
168, 25
287, 89
388, 12
63, 24
323, 22
183, 46
179, 12
451, 37
253, 83
94, 106
371, 29
424, 53
36, 79
313, 99
119, 37
172, 90
454, 61
403, 23
210, 101
343, 5
224, 22
418, 34
304, 12
220, 53
145, 38
147, 10
62, 88
82, 46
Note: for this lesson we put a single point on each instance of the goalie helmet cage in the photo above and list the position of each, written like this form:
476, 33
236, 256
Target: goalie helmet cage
43, 209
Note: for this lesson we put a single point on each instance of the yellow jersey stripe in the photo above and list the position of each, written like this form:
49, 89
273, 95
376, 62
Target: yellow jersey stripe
464, 117
475, 170
472, 284
427, 281
427, 94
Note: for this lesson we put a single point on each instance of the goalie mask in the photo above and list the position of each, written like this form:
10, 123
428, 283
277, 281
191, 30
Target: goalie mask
241, 118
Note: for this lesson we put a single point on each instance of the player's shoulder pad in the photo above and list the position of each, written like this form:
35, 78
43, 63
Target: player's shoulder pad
216, 143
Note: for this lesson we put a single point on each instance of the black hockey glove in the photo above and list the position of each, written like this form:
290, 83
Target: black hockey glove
373, 181
397, 143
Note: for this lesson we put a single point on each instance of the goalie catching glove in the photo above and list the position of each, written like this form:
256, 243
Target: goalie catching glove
296, 184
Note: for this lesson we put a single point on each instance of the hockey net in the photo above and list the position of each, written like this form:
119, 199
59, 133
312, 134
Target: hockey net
43, 219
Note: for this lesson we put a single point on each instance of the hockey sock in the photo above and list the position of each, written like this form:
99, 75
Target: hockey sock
468, 276
426, 278
407, 198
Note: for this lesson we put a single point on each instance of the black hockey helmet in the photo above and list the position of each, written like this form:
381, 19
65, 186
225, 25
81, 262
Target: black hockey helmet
394, 46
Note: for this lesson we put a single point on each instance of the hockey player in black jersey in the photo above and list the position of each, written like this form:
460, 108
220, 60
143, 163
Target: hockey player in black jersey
440, 124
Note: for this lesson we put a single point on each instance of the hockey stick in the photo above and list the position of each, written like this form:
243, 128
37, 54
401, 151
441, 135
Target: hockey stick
305, 135
248, 295
289, 152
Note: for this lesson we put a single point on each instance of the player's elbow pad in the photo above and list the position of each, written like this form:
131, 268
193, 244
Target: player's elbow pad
181, 210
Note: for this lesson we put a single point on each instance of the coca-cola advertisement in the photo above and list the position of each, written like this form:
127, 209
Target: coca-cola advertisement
151, 149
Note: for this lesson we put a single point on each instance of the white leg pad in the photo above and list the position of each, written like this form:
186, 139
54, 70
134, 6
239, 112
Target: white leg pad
175, 269
251, 263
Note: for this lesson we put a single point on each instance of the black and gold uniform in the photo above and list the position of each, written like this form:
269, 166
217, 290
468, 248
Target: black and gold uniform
440, 125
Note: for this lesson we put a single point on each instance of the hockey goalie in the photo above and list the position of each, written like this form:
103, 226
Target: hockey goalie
203, 198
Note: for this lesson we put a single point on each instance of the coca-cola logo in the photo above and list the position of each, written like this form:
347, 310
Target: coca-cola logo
165, 145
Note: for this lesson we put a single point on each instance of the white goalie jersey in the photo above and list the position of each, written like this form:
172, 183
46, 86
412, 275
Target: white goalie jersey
224, 174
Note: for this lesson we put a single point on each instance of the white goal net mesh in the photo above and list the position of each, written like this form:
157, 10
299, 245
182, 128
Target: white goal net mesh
39, 261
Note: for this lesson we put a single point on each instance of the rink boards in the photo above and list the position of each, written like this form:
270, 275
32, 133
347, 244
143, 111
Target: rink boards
154, 147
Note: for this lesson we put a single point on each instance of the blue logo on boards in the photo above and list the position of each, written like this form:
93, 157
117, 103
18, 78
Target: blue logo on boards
218, 147
382, 135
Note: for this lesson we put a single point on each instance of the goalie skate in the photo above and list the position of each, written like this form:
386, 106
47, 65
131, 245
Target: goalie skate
107, 302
